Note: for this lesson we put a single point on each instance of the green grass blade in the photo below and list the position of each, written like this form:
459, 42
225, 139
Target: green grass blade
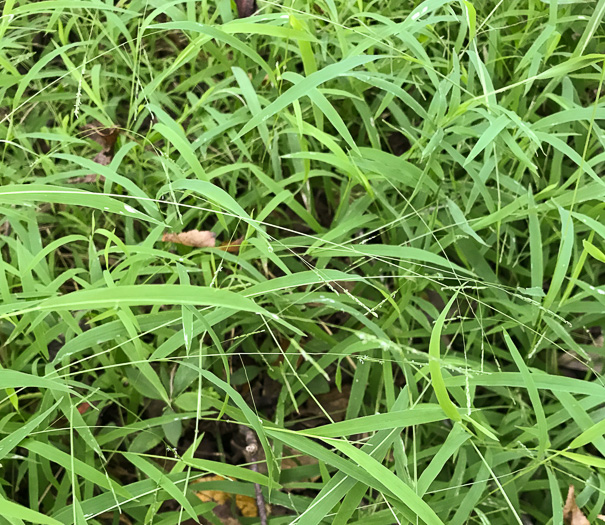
534, 396
377, 470
301, 88
435, 364
19, 512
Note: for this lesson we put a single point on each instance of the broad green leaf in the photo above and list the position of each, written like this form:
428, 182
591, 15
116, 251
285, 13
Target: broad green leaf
377, 470
422, 414
14, 379
591, 461
455, 439
563, 257
595, 431
231, 471
488, 136
157, 475
13, 439
594, 251
220, 36
9, 509
462, 223
144, 294
55, 5
149, 206
80, 467
435, 364
301, 88
25, 193
534, 396
212, 193
595, 20
535, 246
394, 253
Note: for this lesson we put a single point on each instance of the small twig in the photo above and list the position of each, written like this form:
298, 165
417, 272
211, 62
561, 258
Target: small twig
250, 451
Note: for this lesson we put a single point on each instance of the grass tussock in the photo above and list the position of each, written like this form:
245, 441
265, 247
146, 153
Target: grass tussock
390, 304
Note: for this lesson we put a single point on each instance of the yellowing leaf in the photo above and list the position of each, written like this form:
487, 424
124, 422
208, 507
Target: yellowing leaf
245, 504
218, 496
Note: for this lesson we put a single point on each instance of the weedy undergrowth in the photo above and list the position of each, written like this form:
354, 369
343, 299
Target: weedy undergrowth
400, 293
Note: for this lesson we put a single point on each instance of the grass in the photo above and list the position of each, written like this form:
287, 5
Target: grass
411, 325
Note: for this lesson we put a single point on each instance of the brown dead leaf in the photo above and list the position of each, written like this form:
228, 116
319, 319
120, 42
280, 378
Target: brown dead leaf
570, 361
87, 179
103, 158
245, 504
84, 407
195, 238
245, 8
110, 515
231, 246
104, 136
218, 496
572, 515
224, 514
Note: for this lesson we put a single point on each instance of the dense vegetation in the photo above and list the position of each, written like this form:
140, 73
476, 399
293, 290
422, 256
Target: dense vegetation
403, 307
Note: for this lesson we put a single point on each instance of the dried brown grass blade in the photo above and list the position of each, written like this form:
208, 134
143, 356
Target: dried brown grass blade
195, 238
572, 515
231, 246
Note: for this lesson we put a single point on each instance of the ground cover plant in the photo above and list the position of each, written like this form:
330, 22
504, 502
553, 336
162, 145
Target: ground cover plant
310, 261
